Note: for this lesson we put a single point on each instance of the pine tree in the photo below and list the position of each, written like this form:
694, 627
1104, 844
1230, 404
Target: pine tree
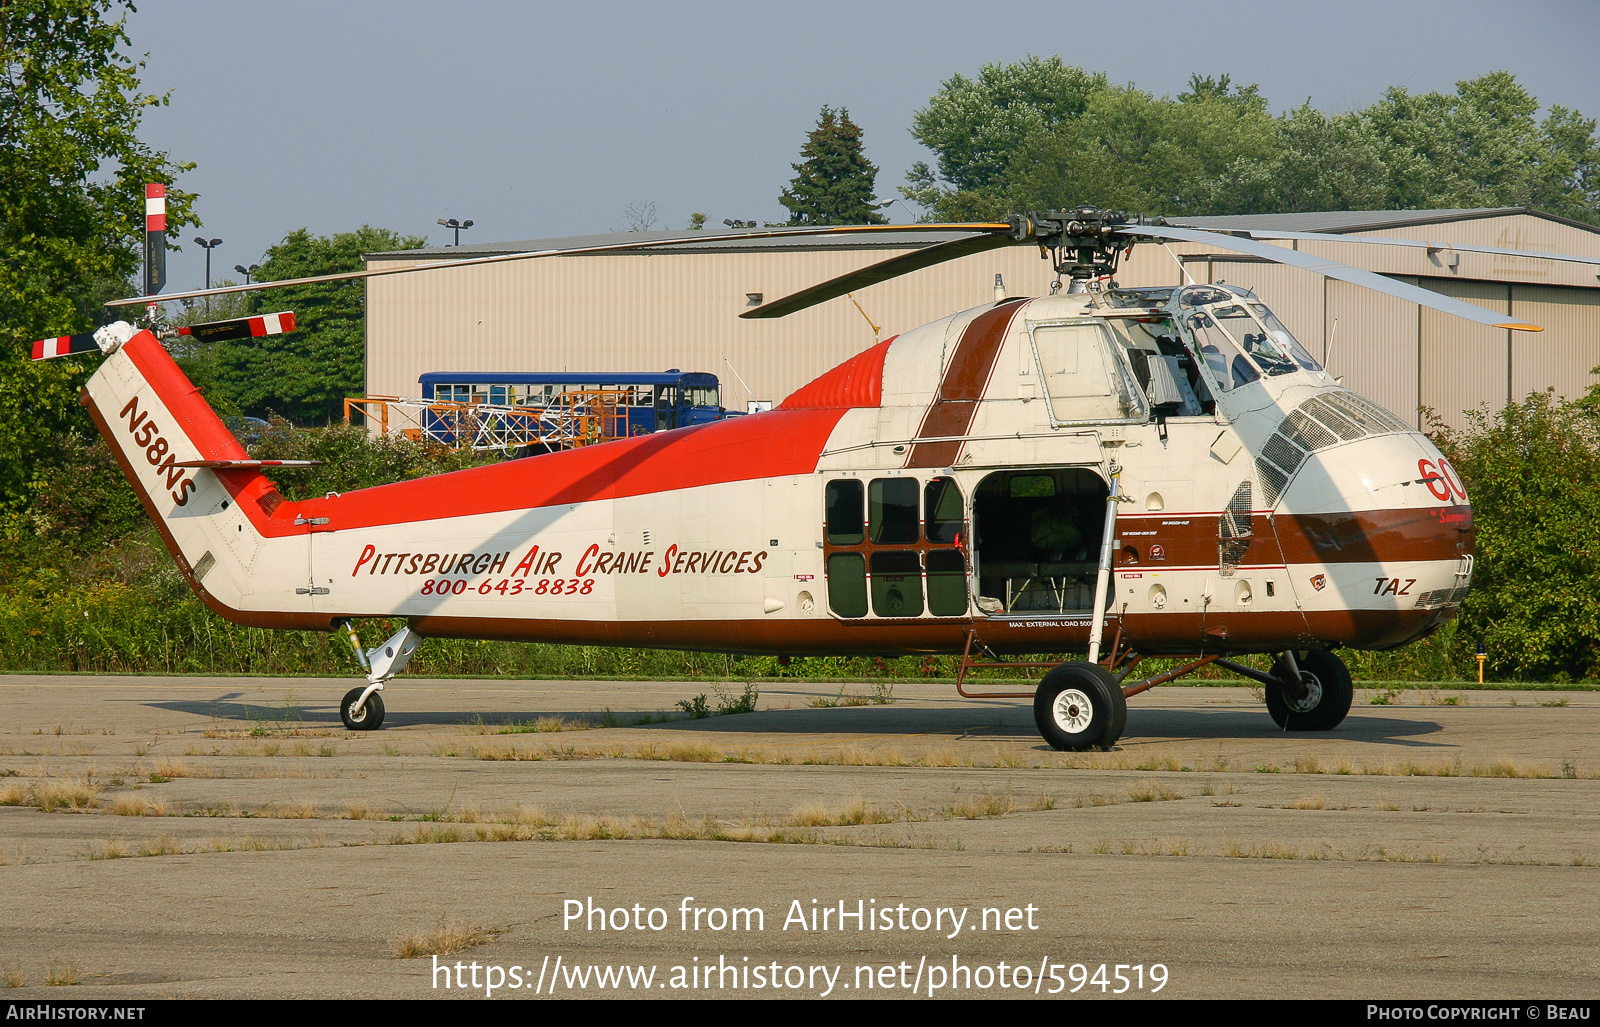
835, 181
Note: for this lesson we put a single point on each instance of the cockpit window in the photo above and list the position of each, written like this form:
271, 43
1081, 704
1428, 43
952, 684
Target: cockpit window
1229, 368
1252, 337
1276, 329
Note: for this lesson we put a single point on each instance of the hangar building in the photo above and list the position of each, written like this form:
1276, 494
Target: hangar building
647, 310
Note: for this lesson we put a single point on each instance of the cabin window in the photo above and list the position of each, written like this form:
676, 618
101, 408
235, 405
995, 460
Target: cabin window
909, 562
944, 516
947, 583
892, 511
847, 584
896, 583
1229, 368
1083, 380
845, 525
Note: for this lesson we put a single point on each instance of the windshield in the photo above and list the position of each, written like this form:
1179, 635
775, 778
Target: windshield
1252, 337
1276, 329
1229, 368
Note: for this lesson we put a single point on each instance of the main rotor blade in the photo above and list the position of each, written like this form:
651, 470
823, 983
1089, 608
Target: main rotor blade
884, 270
501, 258
1334, 269
1431, 246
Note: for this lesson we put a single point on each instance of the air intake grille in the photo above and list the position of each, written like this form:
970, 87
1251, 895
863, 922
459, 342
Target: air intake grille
1318, 423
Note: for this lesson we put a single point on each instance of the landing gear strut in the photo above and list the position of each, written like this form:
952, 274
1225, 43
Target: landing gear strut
361, 709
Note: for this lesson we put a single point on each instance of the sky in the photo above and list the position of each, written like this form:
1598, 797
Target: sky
537, 120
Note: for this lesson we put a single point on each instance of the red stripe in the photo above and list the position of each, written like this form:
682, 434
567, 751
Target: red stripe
779, 442
258, 326
155, 223
963, 386
154, 189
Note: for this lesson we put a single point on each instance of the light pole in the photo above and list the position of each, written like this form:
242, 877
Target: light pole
455, 226
247, 271
200, 241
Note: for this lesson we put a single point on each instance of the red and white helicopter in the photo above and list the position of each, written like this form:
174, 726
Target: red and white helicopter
1167, 467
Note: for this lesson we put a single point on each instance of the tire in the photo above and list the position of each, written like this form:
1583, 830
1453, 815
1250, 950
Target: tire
1079, 706
1329, 693
371, 716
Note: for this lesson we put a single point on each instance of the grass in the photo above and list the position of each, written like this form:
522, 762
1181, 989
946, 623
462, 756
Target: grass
63, 976
444, 940
51, 796
1152, 792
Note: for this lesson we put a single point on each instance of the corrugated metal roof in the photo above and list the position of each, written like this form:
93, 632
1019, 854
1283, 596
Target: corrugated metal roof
721, 241
1337, 221
745, 241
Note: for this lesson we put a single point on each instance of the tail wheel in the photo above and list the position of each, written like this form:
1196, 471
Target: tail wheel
1329, 692
1079, 706
368, 718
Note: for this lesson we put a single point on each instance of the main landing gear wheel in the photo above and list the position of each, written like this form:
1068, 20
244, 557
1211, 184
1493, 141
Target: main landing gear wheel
1080, 706
370, 718
1328, 693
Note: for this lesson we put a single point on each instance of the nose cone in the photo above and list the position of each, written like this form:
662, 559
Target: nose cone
1378, 536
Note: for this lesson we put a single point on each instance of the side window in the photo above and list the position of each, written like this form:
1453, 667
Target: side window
943, 514
897, 583
847, 584
845, 527
892, 511
1081, 376
947, 583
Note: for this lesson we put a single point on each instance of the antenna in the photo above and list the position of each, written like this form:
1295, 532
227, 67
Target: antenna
739, 376
1181, 266
875, 329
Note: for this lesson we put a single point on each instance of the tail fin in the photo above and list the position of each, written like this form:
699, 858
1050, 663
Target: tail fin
215, 508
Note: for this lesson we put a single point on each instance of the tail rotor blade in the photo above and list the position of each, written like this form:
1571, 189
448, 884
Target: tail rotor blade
64, 346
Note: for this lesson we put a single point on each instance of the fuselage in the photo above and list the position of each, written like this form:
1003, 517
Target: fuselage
951, 480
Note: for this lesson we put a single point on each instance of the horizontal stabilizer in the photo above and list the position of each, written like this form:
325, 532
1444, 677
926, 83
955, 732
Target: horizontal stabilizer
241, 327
63, 346
233, 465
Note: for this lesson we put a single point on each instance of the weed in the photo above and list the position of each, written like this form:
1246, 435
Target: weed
62, 976
15, 979
10, 772
696, 708
1208, 789
163, 846
1569, 770
1555, 702
1268, 768
744, 703
1315, 802
840, 699
1386, 696
445, 940
136, 806
882, 693
1152, 792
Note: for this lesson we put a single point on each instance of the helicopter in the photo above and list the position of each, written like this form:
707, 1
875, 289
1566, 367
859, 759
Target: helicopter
1138, 472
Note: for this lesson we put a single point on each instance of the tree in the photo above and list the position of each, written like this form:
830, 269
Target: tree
303, 375
72, 171
1532, 471
1482, 147
641, 216
834, 182
1040, 134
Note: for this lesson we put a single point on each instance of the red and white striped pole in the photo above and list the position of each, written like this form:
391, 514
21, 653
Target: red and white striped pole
155, 240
